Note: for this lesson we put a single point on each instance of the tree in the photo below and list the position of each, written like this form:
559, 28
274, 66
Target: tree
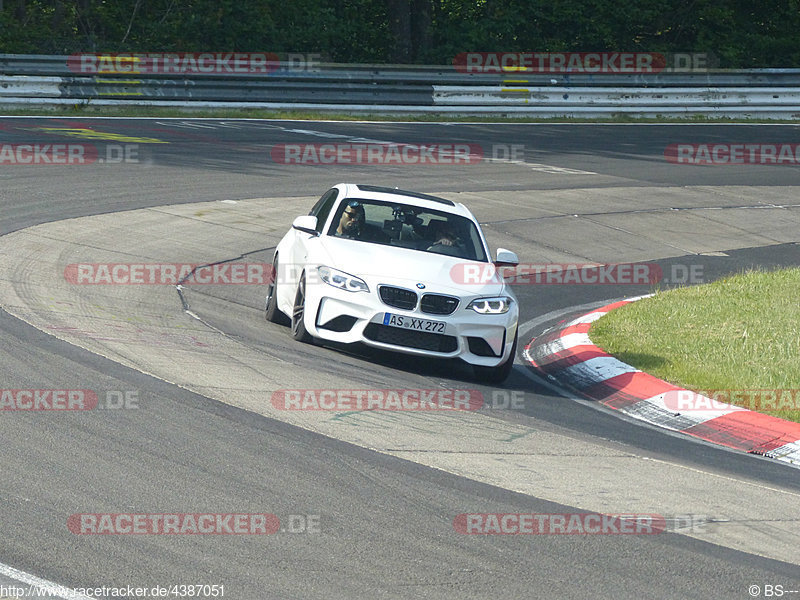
409, 24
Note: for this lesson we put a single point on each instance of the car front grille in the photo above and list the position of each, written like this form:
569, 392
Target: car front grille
436, 304
421, 340
398, 297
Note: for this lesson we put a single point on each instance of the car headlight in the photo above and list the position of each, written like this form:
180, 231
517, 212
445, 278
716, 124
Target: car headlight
342, 280
491, 306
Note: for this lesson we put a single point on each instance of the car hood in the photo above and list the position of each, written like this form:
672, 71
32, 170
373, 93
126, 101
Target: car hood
376, 264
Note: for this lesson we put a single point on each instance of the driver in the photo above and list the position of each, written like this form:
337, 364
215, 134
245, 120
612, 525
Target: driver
352, 220
446, 237
446, 242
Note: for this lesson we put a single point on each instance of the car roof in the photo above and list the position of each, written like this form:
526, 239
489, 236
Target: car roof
376, 192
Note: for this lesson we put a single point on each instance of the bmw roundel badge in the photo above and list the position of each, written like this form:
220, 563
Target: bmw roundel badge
421, 286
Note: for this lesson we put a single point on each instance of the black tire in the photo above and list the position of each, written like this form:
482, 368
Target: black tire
271, 312
298, 312
499, 373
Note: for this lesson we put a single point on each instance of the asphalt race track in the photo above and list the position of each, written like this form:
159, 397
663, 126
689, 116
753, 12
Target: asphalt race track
201, 435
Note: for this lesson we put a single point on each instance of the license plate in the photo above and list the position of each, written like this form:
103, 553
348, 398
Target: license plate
404, 322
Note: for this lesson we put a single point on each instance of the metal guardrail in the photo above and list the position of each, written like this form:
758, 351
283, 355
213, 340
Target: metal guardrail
771, 93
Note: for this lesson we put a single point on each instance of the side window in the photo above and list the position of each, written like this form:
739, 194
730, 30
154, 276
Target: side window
323, 207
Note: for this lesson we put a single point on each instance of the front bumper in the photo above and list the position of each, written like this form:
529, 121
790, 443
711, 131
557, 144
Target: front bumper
348, 317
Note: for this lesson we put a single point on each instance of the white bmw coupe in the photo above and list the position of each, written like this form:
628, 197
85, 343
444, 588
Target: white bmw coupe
396, 270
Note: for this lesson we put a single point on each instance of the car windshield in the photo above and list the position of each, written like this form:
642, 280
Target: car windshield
407, 226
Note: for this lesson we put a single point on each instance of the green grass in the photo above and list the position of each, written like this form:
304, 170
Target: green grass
737, 333
87, 110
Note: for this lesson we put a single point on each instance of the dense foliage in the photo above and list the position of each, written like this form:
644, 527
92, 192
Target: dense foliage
740, 33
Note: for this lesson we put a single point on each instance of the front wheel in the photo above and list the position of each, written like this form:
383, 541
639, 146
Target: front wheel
298, 314
499, 373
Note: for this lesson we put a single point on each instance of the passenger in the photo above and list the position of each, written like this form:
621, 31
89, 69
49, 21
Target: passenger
352, 221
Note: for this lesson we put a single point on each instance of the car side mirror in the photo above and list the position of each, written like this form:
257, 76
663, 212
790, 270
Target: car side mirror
306, 224
506, 258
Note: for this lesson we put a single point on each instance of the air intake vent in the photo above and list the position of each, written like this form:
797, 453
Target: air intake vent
434, 342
